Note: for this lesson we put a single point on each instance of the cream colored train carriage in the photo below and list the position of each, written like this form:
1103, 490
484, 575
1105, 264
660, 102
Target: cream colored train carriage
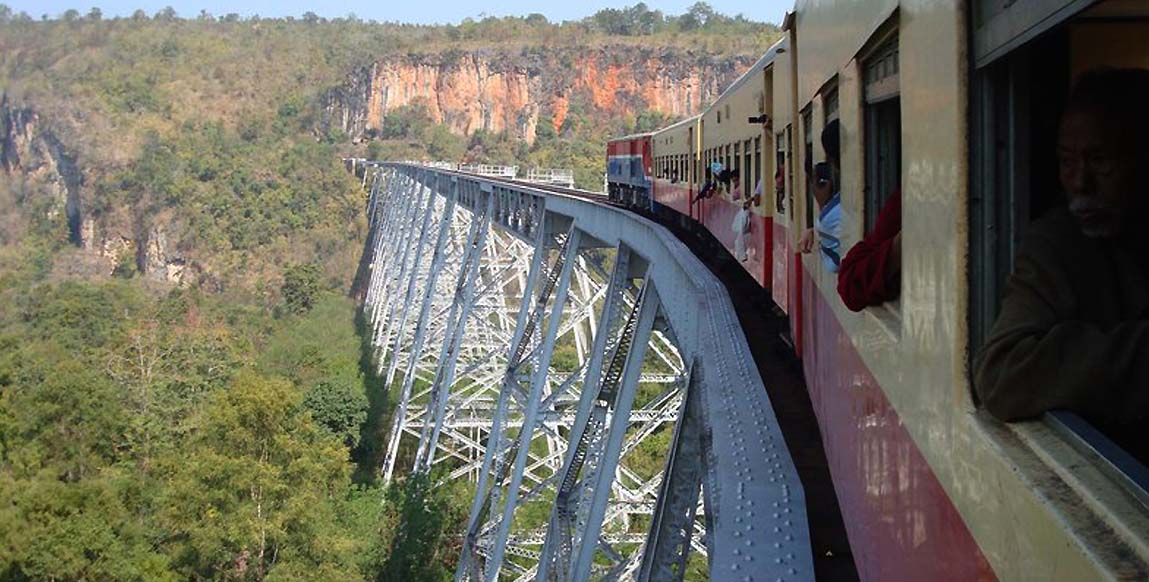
955, 105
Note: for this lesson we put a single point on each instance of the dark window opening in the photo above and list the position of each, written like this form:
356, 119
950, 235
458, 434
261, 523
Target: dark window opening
747, 170
882, 129
1024, 71
808, 170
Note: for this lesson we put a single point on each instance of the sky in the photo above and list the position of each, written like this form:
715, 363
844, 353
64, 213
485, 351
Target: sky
422, 12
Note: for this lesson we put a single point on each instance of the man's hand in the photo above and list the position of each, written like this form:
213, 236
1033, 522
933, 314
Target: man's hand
807, 241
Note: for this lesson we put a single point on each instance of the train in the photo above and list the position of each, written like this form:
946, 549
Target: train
954, 107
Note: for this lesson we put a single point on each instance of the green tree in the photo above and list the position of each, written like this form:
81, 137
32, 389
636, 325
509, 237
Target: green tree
300, 285
407, 121
339, 406
255, 492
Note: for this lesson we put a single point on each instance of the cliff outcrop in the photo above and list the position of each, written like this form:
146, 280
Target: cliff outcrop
501, 91
46, 179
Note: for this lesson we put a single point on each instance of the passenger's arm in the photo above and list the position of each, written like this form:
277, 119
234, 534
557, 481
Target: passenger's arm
1038, 358
870, 271
807, 241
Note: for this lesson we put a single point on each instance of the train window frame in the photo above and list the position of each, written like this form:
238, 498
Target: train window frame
807, 116
1008, 174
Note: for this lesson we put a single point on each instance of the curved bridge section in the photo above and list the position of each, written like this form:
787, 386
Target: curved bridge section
587, 373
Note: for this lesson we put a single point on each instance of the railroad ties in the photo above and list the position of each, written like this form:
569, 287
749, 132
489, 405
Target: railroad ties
586, 373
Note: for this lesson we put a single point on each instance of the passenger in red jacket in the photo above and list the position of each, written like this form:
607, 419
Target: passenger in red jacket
871, 273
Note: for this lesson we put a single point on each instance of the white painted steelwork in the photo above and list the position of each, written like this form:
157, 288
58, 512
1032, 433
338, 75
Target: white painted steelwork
536, 340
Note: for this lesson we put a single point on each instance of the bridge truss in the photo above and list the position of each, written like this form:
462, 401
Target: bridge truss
547, 347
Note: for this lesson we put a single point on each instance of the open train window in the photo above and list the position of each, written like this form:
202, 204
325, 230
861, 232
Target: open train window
747, 169
789, 166
830, 101
729, 162
882, 127
757, 165
1027, 55
771, 189
808, 174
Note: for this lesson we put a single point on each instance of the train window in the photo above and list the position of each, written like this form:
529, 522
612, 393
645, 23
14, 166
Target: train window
830, 101
780, 165
757, 165
882, 128
808, 151
729, 161
790, 167
1021, 91
747, 168
738, 157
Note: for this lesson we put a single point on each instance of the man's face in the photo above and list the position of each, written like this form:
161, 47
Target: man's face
823, 191
1098, 174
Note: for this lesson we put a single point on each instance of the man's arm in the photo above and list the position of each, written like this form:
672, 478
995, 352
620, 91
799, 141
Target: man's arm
871, 271
1038, 358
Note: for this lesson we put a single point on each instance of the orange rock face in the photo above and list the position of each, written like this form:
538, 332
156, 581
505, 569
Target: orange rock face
511, 92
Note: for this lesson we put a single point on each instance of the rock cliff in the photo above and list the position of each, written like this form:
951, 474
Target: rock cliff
503, 91
44, 177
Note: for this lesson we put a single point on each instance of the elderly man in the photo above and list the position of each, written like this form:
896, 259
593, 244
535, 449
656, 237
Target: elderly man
1073, 331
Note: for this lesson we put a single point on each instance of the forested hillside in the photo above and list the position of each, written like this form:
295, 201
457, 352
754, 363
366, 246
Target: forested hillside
185, 390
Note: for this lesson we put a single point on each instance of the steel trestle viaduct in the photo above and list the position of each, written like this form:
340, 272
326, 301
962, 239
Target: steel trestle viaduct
542, 345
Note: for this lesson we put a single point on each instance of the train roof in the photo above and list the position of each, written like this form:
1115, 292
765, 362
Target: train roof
678, 124
766, 59
632, 136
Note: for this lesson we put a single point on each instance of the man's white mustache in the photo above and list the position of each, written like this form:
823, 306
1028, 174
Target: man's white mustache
1082, 205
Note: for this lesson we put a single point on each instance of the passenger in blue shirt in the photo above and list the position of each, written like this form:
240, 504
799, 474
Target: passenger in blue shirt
828, 225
